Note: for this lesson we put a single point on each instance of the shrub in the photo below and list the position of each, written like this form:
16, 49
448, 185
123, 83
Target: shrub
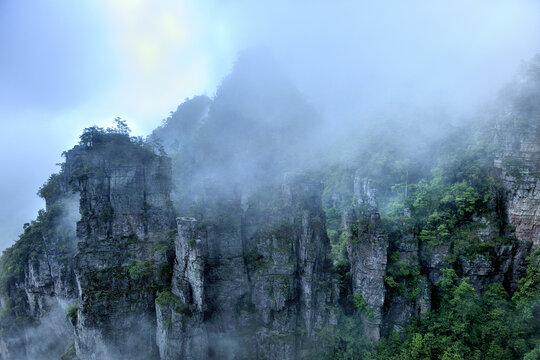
140, 269
71, 312
360, 304
170, 300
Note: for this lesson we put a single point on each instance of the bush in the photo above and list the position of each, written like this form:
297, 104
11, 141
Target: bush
361, 305
345, 341
140, 269
70, 352
72, 311
170, 300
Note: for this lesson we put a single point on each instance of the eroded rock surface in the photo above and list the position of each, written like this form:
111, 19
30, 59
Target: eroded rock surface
253, 283
121, 262
367, 246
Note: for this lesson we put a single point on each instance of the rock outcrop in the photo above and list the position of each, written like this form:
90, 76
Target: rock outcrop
367, 246
409, 294
519, 161
121, 261
253, 283
244, 272
41, 286
518, 155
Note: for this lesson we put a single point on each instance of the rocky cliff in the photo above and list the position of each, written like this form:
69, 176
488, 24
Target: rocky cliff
38, 282
518, 161
367, 246
252, 280
242, 275
202, 250
121, 262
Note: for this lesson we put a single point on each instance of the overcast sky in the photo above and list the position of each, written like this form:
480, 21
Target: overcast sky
66, 65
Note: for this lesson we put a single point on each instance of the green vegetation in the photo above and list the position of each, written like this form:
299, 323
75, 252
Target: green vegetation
403, 278
166, 245
165, 271
443, 208
96, 137
36, 237
467, 325
70, 352
254, 260
51, 190
443, 203
12, 315
528, 292
15, 258
170, 300
71, 312
360, 304
140, 270
343, 341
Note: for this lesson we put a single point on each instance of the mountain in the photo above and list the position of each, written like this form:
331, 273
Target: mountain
239, 230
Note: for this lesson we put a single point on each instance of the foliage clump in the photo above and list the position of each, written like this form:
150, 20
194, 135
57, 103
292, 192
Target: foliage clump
467, 325
360, 305
344, 341
444, 202
170, 300
70, 353
71, 312
140, 270
32, 242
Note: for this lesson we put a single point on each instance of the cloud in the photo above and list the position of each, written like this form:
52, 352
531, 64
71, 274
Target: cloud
67, 65
364, 53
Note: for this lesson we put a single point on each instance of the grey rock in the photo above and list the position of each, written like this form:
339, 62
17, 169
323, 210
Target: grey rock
255, 275
367, 247
126, 215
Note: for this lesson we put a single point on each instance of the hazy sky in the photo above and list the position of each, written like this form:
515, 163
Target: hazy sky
66, 65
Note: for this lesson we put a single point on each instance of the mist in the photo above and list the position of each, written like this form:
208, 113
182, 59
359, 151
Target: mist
65, 67
345, 167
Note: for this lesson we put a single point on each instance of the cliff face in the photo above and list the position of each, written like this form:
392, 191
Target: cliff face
518, 155
121, 260
250, 281
38, 287
241, 276
517, 136
247, 269
518, 161
367, 246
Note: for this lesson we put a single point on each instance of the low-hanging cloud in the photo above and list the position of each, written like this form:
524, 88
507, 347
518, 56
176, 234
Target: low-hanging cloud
138, 59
